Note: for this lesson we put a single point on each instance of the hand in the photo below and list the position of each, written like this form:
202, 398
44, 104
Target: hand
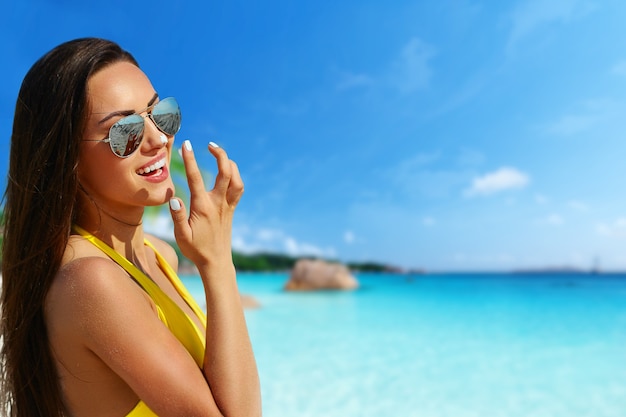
205, 237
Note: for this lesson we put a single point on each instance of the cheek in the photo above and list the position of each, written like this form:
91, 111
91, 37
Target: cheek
98, 175
93, 181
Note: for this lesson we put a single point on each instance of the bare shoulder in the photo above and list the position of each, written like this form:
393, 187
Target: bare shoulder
87, 276
88, 286
165, 249
78, 247
92, 272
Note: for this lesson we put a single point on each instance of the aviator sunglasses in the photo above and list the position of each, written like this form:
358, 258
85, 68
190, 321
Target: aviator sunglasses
126, 134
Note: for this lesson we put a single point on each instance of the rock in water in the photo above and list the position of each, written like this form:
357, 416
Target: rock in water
310, 275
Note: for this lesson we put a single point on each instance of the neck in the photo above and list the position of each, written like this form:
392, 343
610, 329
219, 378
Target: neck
119, 227
127, 240
122, 233
95, 217
123, 222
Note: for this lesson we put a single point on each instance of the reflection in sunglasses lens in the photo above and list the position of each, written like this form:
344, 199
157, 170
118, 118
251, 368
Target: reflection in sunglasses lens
125, 136
169, 123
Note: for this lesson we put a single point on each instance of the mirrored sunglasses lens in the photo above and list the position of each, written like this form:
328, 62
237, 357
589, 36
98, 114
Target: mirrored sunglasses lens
126, 135
166, 115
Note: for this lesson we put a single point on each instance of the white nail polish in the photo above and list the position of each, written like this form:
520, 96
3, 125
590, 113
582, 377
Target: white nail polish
213, 145
187, 145
174, 204
164, 139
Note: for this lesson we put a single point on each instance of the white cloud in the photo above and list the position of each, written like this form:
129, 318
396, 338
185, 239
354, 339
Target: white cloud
239, 244
411, 71
503, 179
531, 15
267, 235
160, 225
615, 229
249, 240
295, 248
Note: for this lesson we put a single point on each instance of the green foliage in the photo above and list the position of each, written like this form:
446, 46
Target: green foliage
369, 267
262, 262
266, 262
272, 262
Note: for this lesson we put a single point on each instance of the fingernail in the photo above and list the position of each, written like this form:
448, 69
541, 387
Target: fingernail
187, 145
213, 145
174, 204
164, 139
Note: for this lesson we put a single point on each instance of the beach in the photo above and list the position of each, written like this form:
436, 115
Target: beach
493, 345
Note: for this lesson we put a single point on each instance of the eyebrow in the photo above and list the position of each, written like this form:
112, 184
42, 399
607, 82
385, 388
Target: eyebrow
128, 112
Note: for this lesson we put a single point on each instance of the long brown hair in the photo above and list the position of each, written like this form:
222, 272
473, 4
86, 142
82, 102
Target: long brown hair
40, 205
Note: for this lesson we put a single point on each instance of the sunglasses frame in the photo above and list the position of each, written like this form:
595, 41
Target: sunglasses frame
149, 114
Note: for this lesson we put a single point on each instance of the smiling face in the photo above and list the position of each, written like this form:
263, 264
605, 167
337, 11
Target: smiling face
117, 184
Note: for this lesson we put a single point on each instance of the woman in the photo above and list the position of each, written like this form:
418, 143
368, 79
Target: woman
95, 321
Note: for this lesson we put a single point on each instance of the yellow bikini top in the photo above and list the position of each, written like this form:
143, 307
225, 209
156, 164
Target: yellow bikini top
176, 320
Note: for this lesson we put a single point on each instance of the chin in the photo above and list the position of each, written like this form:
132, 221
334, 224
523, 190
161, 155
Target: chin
162, 196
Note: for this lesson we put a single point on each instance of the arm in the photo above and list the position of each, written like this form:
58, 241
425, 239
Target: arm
105, 331
205, 238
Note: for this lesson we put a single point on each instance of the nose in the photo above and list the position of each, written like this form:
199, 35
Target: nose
153, 137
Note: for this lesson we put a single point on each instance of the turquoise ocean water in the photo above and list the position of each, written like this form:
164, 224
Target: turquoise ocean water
440, 345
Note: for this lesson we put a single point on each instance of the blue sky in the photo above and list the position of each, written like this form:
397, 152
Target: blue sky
449, 135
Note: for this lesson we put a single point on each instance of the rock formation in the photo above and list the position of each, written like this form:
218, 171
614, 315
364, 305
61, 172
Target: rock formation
309, 275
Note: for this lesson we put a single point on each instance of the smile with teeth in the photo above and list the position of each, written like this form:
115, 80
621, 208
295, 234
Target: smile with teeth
146, 170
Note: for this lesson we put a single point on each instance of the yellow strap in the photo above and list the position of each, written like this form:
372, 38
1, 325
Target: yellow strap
178, 284
179, 323
141, 410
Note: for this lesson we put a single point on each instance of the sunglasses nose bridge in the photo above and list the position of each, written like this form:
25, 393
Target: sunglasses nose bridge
151, 133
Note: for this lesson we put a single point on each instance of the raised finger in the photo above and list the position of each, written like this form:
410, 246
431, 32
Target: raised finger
224, 169
194, 176
182, 233
235, 189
